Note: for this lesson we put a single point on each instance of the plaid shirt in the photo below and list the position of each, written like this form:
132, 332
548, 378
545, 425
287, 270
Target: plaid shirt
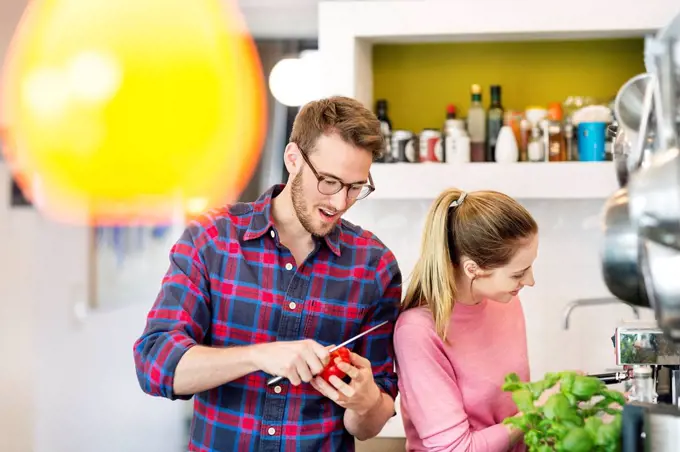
232, 283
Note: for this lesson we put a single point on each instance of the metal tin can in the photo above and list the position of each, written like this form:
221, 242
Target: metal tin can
430, 146
404, 146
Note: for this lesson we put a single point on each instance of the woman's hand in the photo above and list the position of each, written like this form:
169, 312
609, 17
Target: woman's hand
554, 390
547, 394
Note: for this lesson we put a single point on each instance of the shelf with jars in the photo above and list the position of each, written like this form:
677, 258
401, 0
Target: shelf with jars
418, 56
538, 153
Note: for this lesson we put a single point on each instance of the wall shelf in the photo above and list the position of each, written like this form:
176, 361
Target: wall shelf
568, 180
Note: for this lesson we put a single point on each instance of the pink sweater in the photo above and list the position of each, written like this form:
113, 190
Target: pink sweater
451, 397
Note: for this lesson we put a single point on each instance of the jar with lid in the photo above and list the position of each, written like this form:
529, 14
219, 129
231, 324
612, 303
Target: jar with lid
643, 389
556, 139
456, 142
535, 148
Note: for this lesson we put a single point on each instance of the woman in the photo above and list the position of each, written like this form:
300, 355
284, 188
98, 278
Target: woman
462, 329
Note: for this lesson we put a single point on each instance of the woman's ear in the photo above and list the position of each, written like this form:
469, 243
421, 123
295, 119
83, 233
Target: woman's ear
470, 268
292, 159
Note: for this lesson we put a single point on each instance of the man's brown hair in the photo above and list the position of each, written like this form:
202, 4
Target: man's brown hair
356, 125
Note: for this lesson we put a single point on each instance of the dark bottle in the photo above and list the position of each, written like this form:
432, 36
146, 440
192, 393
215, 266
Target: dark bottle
476, 125
494, 123
386, 128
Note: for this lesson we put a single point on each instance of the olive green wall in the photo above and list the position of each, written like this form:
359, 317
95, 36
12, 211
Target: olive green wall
419, 80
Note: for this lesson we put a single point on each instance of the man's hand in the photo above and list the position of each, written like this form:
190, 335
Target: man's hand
297, 361
360, 395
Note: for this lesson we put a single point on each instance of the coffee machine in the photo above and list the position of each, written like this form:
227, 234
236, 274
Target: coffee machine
641, 255
646, 348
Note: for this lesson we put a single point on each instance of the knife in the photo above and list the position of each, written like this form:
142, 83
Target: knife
274, 380
612, 378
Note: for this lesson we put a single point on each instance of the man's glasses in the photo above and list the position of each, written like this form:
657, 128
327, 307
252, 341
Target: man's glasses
329, 185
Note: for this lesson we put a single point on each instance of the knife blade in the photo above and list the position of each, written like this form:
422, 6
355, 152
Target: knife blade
274, 380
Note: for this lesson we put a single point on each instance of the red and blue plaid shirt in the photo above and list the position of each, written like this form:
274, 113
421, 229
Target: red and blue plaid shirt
232, 283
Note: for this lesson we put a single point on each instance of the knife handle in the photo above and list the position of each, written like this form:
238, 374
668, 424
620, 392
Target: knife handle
612, 378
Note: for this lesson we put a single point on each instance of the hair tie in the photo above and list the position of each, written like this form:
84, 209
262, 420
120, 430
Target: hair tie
458, 201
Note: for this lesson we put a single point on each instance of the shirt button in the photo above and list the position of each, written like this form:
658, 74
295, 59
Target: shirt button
277, 389
271, 430
289, 266
272, 233
292, 306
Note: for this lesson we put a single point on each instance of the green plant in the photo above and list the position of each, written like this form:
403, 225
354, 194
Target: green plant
572, 418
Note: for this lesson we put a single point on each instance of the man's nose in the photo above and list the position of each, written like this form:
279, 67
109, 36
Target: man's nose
339, 200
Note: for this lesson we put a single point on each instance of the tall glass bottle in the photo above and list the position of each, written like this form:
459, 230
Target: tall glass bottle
494, 123
476, 123
386, 128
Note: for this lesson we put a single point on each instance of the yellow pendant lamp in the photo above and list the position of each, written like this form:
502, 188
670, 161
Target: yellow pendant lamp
128, 110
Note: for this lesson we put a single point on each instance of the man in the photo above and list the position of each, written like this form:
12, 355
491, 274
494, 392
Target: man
264, 288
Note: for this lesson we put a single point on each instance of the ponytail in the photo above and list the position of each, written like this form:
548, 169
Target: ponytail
432, 281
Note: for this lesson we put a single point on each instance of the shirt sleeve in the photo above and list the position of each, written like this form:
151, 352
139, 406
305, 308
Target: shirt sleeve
178, 319
431, 396
377, 346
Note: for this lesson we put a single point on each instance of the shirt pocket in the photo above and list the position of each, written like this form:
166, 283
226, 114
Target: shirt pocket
332, 323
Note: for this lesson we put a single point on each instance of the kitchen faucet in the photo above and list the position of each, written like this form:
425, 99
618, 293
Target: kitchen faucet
594, 302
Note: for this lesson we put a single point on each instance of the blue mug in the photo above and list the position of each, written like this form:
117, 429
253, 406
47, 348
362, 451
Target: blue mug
591, 141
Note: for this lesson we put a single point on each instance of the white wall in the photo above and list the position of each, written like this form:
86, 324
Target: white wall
17, 327
16, 307
281, 19
67, 383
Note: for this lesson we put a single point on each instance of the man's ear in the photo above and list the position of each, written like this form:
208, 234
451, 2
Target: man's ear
292, 159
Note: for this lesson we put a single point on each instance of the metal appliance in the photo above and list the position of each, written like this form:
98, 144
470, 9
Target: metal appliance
646, 346
641, 256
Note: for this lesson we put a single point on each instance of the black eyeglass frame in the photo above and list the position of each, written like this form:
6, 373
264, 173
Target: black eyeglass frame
341, 185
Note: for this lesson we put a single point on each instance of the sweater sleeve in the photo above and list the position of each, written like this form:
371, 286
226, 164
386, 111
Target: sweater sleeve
431, 397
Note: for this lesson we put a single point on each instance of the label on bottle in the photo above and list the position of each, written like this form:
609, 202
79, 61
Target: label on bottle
410, 152
554, 149
450, 148
462, 149
439, 150
494, 128
387, 156
387, 136
477, 151
535, 151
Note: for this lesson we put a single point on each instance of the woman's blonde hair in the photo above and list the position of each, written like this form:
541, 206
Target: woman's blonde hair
487, 227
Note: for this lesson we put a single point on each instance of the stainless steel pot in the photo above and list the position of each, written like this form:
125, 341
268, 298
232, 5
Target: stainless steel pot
620, 255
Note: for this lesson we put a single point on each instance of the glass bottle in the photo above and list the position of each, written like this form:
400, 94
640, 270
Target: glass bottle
535, 148
494, 123
476, 123
643, 389
557, 142
386, 128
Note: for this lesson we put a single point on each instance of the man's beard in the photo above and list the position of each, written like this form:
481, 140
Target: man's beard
301, 209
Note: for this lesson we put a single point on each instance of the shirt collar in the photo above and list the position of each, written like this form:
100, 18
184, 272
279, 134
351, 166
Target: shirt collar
261, 221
